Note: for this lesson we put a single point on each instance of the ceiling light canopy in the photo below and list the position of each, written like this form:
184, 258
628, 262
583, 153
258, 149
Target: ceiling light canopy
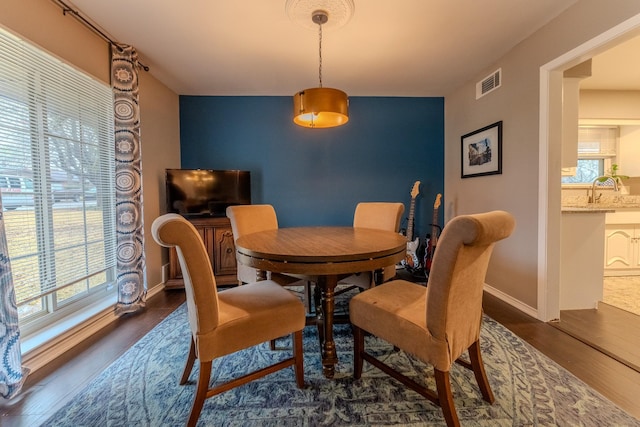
340, 12
320, 107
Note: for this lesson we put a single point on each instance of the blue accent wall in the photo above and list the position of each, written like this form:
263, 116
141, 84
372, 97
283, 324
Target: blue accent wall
317, 176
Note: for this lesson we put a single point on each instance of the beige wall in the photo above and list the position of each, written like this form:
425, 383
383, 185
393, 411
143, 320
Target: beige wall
160, 134
514, 267
610, 104
43, 23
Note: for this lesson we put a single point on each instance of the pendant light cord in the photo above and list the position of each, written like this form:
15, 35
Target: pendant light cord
320, 53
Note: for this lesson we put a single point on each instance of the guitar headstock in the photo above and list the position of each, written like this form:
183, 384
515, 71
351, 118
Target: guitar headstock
415, 190
436, 204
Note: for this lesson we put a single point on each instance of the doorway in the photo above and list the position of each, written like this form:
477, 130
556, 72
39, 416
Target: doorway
615, 329
549, 202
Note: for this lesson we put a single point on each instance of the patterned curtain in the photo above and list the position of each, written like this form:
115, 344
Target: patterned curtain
12, 374
132, 279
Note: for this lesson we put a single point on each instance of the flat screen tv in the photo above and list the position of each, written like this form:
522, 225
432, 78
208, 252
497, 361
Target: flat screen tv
205, 192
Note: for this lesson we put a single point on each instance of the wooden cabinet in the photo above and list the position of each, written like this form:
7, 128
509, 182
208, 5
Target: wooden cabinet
218, 239
622, 244
622, 249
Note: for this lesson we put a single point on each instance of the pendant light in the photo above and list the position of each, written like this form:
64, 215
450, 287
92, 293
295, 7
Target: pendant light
320, 107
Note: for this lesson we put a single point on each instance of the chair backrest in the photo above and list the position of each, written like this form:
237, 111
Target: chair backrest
246, 219
456, 279
172, 230
378, 215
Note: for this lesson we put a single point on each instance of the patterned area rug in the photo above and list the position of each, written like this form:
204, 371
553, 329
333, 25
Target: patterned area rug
141, 388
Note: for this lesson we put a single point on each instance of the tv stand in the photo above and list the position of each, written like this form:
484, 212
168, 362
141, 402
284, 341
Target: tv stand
218, 239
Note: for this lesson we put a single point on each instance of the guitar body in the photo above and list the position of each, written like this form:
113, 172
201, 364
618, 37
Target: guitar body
412, 261
428, 255
432, 238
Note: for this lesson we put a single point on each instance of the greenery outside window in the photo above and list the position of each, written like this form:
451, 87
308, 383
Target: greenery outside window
56, 183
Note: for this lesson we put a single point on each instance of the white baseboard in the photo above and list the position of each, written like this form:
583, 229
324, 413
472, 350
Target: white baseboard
511, 301
39, 356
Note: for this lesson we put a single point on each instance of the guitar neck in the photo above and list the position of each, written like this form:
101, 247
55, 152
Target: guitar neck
434, 225
412, 209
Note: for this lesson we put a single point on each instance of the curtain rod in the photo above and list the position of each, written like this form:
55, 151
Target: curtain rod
68, 9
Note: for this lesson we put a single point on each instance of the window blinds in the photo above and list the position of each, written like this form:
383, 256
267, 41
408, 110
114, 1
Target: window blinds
56, 147
597, 141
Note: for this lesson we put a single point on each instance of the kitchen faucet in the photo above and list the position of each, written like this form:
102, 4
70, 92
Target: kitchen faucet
601, 179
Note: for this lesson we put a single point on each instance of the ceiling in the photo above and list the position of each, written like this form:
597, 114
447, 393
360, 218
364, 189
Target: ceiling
617, 68
387, 48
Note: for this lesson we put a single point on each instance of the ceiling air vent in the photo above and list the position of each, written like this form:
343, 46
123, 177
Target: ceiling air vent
489, 83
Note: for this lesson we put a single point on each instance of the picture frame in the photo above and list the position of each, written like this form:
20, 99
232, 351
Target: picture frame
482, 151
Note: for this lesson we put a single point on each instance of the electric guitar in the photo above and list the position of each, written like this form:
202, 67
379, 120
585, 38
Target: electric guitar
432, 240
411, 260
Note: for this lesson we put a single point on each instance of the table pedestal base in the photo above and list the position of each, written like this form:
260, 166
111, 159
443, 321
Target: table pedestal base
327, 286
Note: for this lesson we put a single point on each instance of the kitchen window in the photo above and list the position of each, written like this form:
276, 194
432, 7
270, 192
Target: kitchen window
597, 151
57, 165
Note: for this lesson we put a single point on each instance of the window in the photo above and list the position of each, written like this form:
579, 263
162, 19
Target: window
56, 182
597, 149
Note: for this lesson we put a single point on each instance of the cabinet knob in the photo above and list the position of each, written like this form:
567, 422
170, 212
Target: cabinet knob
229, 250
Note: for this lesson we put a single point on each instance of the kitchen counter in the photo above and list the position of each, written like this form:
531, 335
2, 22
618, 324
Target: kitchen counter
589, 209
607, 204
583, 246
582, 254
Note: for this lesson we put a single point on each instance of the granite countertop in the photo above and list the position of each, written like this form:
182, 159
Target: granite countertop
606, 204
588, 209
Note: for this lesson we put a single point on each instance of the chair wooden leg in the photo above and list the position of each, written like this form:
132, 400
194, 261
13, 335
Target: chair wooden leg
191, 358
445, 398
201, 393
358, 349
272, 345
298, 357
478, 370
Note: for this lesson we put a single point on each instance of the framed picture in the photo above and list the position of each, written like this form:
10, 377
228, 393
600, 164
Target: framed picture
482, 151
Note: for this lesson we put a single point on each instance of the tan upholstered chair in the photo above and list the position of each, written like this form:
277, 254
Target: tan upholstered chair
439, 322
381, 216
246, 219
229, 321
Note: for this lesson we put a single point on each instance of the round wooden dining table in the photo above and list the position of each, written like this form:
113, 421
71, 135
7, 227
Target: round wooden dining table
328, 253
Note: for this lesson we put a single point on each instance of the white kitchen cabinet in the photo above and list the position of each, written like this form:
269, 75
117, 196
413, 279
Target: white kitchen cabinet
622, 245
622, 249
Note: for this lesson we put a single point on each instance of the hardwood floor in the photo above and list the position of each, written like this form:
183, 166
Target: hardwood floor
51, 387
609, 329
